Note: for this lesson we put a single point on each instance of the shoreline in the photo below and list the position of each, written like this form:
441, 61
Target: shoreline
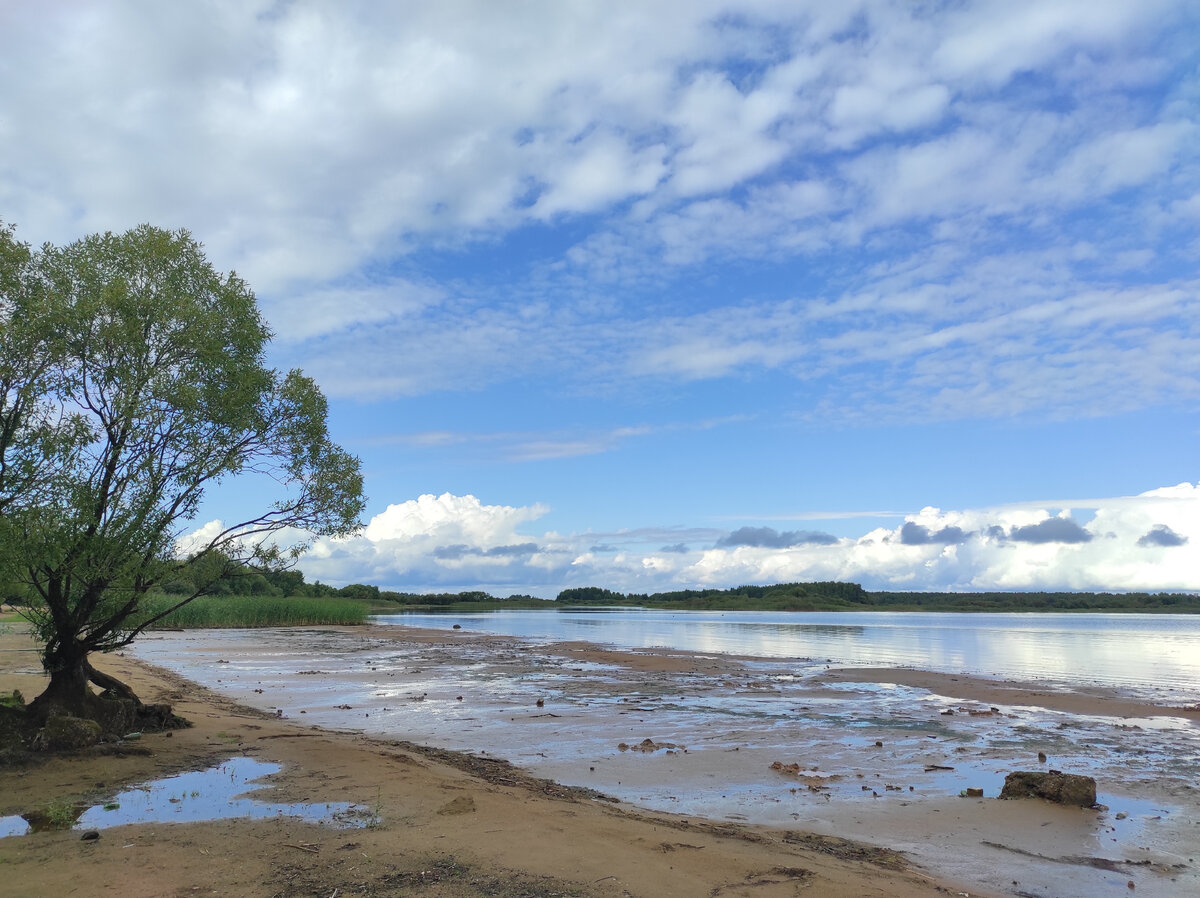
1039, 845
450, 823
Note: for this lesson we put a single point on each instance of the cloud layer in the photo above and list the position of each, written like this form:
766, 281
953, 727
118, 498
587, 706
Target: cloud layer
448, 542
662, 261
981, 209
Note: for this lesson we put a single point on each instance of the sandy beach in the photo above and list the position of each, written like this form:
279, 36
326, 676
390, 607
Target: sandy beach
447, 823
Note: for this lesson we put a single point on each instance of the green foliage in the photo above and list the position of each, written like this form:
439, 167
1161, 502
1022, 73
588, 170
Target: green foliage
474, 600
255, 611
286, 583
829, 596
591, 595
360, 591
1178, 603
148, 386
837, 596
61, 814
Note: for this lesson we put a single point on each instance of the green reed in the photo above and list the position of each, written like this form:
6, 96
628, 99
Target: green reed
257, 611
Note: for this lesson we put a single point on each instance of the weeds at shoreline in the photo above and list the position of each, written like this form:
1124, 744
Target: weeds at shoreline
258, 611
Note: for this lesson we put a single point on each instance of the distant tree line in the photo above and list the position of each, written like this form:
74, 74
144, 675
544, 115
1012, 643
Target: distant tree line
835, 596
223, 576
828, 595
443, 599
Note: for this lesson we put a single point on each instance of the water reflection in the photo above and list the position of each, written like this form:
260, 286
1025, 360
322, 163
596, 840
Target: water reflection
1154, 656
219, 793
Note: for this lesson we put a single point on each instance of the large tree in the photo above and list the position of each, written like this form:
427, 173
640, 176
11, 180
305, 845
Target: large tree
135, 380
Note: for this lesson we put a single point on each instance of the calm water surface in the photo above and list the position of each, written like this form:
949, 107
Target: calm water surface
1151, 655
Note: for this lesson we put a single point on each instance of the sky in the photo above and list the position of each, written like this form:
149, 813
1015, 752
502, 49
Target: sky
666, 295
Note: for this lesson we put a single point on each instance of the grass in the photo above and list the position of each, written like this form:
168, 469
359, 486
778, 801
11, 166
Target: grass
12, 699
386, 607
258, 611
61, 814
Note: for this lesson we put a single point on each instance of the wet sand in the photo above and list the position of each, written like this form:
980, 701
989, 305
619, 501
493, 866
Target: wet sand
1094, 702
479, 695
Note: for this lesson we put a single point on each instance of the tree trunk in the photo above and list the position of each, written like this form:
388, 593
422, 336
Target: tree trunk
117, 710
68, 691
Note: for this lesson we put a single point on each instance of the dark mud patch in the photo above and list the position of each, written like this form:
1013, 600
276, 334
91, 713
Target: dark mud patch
499, 772
438, 877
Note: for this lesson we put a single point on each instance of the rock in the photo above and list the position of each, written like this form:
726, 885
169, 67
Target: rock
974, 793
90, 836
649, 745
63, 732
1061, 788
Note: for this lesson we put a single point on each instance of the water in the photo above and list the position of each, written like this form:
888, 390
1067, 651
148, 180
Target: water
1150, 656
759, 692
218, 793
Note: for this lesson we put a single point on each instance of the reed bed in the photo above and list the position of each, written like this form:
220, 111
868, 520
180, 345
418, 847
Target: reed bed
258, 611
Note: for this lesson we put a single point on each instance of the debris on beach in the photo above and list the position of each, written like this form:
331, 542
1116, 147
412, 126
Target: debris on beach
814, 782
647, 746
1062, 788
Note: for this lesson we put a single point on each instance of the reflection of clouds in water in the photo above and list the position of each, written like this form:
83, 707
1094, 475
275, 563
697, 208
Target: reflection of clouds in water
1155, 656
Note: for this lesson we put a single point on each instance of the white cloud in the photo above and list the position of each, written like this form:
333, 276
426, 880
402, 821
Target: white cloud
450, 542
603, 169
450, 519
191, 542
989, 557
332, 309
980, 210
992, 41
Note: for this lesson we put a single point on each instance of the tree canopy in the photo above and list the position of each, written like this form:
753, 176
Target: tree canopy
134, 380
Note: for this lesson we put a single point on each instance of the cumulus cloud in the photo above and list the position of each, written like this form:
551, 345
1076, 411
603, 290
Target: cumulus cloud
914, 534
1161, 535
1051, 530
768, 537
447, 515
433, 543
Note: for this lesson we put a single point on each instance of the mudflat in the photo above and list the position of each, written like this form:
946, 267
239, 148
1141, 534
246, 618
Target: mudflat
429, 822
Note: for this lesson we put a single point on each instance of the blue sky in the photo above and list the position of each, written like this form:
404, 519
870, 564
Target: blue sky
659, 295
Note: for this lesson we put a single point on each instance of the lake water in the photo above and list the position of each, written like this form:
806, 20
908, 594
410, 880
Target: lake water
886, 762
1153, 656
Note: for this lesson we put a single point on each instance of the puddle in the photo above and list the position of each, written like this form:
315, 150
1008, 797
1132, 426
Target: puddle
219, 793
